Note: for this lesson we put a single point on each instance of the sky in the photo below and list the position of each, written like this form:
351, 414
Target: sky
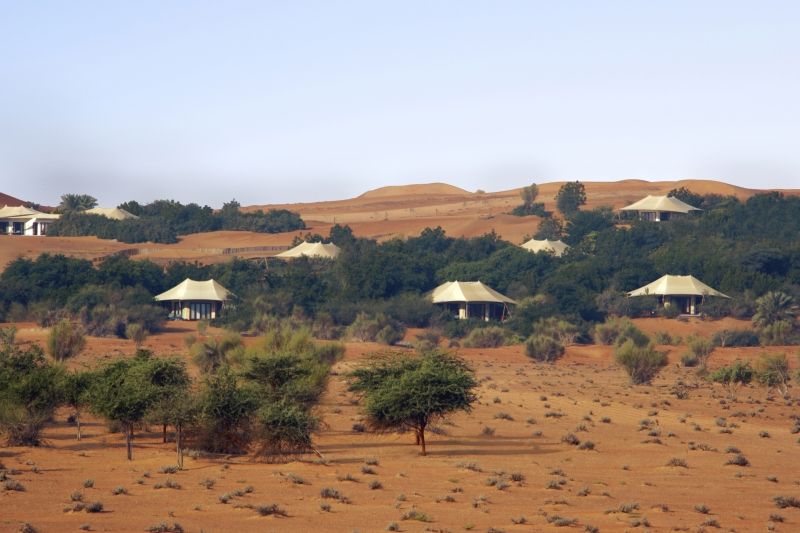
290, 101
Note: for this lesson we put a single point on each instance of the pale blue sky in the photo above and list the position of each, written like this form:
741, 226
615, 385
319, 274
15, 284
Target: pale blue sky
291, 101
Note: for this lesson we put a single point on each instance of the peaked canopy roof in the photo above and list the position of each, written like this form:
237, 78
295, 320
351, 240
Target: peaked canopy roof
190, 289
18, 211
557, 247
467, 291
677, 286
660, 203
111, 212
311, 249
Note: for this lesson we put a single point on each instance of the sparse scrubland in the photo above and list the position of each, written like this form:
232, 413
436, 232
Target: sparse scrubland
583, 410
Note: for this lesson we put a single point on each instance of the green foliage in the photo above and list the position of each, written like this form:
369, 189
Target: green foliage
226, 412
700, 350
71, 203
565, 332
619, 330
774, 307
685, 195
551, 229
735, 338
412, 392
283, 428
570, 197
211, 353
379, 328
65, 340
543, 348
529, 205
642, 363
738, 372
773, 371
30, 392
486, 337
137, 333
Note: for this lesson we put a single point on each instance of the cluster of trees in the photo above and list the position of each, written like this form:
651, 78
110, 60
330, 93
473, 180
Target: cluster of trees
260, 399
162, 221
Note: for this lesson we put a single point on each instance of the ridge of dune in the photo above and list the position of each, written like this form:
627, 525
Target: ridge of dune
414, 189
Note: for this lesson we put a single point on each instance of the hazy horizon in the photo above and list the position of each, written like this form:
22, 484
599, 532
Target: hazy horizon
280, 103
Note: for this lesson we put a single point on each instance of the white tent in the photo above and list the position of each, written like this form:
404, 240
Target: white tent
685, 291
311, 249
557, 248
658, 208
114, 213
195, 300
19, 220
472, 299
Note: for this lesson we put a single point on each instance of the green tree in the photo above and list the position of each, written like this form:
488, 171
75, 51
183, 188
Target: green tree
570, 197
72, 203
411, 392
179, 408
226, 413
551, 229
30, 392
210, 354
685, 195
285, 427
123, 392
774, 306
75, 388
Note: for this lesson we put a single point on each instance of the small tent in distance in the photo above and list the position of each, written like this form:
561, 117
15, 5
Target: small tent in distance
659, 208
472, 299
114, 213
685, 292
311, 249
557, 248
195, 300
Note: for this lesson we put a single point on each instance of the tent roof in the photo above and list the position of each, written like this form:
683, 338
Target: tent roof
111, 212
18, 211
311, 249
660, 203
677, 286
557, 247
190, 289
467, 291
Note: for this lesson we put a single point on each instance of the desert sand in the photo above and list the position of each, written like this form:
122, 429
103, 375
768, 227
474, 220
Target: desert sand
467, 480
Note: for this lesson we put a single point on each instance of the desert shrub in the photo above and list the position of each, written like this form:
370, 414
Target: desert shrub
454, 328
65, 340
136, 332
778, 333
663, 337
378, 328
211, 353
617, 331
689, 360
226, 411
561, 330
773, 371
669, 311
30, 392
488, 337
543, 349
642, 363
735, 338
737, 372
700, 350
284, 428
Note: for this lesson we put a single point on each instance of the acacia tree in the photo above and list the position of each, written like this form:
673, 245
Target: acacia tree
570, 197
75, 389
411, 392
123, 392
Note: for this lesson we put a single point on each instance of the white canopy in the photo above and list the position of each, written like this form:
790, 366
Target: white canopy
111, 212
677, 286
190, 289
18, 212
467, 291
311, 249
556, 247
665, 204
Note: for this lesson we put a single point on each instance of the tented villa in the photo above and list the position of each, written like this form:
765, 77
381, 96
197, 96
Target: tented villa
685, 292
114, 213
195, 300
659, 208
472, 299
557, 248
19, 220
311, 249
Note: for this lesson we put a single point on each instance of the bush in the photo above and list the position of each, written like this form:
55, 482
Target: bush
65, 340
488, 337
773, 371
617, 331
642, 363
561, 330
379, 328
700, 350
226, 410
136, 333
543, 349
737, 372
735, 338
284, 428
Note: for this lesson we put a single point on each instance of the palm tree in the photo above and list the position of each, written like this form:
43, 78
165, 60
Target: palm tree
74, 203
773, 307
210, 354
